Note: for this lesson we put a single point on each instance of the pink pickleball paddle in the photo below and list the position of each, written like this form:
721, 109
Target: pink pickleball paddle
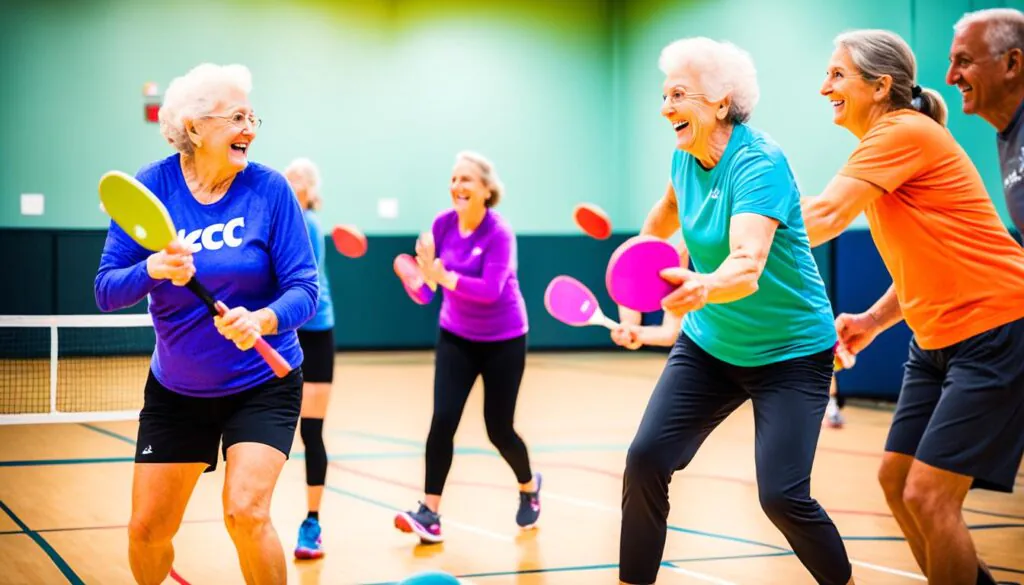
633, 278
409, 273
572, 303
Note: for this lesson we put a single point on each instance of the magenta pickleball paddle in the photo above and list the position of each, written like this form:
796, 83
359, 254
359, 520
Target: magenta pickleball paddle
633, 278
572, 303
409, 274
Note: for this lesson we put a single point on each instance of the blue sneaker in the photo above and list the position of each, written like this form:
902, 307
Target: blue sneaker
425, 523
310, 540
529, 506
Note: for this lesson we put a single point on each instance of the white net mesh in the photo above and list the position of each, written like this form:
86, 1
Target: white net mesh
68, 368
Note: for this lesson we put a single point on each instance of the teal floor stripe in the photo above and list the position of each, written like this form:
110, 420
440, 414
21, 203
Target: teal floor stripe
109, 433
81, 461
58, 560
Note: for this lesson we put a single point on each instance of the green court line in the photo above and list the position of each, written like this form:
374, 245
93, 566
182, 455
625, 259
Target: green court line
600, 567
58, 560
109, 433
80, 461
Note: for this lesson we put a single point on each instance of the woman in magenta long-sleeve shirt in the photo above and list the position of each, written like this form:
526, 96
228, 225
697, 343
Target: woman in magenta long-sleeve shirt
470, 253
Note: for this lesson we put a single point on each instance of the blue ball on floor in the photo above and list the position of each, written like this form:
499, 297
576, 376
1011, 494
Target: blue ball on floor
430, 578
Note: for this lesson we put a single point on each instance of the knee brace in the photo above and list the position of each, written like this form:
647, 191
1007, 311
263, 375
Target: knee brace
312, 431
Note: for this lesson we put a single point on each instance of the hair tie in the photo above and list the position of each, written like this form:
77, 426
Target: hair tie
916, 91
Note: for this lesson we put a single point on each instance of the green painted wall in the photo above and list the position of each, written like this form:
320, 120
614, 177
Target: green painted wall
791, 42
563, 95
382, 94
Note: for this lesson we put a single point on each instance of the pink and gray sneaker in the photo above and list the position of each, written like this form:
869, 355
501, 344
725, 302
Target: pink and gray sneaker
425, 523
529, 506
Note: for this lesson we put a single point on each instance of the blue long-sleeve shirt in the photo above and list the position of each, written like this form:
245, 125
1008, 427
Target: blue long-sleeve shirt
324, 317
250, 249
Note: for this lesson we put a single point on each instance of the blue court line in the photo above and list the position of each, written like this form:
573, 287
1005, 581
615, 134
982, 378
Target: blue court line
83, 460
726, 537
361, 498
59, 561
409, 442
389, 439
403, 441
108, 433
602, 567
381, 438
553, 448
994, 514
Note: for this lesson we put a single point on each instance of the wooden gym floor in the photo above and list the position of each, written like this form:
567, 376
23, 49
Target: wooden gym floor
65, 492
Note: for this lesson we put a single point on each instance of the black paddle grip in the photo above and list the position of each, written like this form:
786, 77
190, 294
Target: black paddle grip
204, 295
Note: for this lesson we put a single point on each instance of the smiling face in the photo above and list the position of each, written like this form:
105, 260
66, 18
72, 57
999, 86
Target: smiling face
854, 99
468, 190
687, 108
224, 136
974, 70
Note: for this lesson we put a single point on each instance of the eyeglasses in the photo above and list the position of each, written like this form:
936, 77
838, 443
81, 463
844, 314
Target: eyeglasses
679, 95
240, 120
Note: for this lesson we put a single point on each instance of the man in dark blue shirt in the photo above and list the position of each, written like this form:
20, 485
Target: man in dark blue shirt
986, 63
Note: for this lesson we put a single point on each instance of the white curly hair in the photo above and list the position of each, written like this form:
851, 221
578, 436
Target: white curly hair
723, 68
194, 95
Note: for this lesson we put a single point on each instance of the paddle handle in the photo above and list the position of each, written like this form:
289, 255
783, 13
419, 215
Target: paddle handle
277, 363
608, 322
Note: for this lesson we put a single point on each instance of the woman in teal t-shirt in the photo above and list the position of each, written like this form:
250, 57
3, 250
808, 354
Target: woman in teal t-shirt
756, 321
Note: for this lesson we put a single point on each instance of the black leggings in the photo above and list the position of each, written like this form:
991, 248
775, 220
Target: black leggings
695, 393
457, 364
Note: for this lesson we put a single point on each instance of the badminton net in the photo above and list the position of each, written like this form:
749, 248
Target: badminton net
73, 368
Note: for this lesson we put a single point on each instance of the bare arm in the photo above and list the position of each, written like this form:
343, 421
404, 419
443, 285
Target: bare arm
828, 214
664, 334
750, 239
663, 219
886, 311
662, 222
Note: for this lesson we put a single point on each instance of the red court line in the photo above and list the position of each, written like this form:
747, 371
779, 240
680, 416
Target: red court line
618, 475
374, 476
178, 578
605, 472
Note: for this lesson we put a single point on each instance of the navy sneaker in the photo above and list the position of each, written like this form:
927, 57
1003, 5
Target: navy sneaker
529, 506
424, 523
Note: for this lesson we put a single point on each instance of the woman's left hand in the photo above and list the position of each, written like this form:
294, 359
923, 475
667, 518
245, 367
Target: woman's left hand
433, 271
239, 326
691, 295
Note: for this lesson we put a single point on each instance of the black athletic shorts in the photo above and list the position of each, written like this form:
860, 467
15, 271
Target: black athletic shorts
174, 428
318, 355
961, 407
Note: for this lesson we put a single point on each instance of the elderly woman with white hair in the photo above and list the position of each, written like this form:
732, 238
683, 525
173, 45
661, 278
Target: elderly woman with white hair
242, 230
756, 319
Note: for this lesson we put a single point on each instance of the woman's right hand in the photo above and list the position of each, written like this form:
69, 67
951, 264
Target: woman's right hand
425, 248
856, 332
173, 263
627, 336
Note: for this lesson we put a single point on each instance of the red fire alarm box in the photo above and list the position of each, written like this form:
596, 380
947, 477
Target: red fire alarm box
153, 113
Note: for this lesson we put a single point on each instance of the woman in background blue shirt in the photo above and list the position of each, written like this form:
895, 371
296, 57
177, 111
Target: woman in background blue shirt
317, 340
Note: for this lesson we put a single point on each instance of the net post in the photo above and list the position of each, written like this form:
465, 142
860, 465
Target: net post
53, 368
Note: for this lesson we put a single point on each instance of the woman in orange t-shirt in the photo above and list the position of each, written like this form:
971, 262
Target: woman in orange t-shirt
958, 281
